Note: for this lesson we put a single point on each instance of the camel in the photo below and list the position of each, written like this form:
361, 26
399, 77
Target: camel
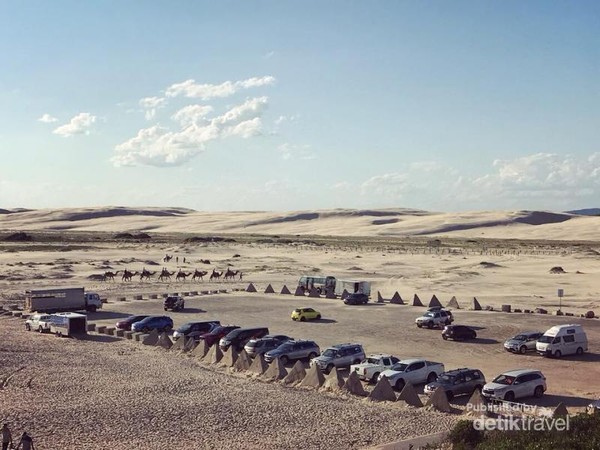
110, 275
128, 276
230, 274
167, 258
165, 274
205, 261
199, 274
181, 275
215, 275
146, 274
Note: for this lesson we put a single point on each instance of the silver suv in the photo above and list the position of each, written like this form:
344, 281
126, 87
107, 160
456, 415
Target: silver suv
523, 342
516, 384
341, 355
293, 350
457, 382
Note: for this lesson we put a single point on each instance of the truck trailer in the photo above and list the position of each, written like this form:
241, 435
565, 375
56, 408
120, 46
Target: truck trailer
68, 324
61, 299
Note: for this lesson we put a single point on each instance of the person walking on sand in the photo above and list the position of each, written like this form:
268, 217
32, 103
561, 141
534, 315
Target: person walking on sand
26, 442
6, 437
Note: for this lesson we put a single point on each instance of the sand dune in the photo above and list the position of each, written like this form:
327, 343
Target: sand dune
337, 222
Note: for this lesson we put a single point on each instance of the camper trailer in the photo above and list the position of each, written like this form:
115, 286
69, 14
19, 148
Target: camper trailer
563, 340
353, 286
68, 324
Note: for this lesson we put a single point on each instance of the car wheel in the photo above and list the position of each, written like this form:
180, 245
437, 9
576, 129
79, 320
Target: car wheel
449, 395
478, 388
431, 377
419, 325
523, 350
318, 316
302, 319
400, 384
509, 396
330, 367
430, 325
312, 355
27, 327
579, 351
444, 337
538, 392
374, 377
166, 309
557, 354
41, 329
284, 359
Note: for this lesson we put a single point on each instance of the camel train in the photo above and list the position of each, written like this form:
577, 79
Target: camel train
180, 275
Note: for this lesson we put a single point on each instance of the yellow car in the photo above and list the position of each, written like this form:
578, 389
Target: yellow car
304, 314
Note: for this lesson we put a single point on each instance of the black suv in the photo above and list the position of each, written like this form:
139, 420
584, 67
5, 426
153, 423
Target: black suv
457, 382
174, 303
239, 337
195, 327
356, 298
458, 332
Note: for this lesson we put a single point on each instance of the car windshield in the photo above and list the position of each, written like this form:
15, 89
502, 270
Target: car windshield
285, 347
330, 353
399, 367
371, 361
504, 379
297, 310
446, 378
185, 327
429, 314
546, 339
519, 337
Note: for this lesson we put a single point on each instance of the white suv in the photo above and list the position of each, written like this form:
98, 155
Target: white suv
516, 384
437, 318
39, 322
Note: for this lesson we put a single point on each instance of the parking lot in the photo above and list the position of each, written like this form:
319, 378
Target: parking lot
390, 328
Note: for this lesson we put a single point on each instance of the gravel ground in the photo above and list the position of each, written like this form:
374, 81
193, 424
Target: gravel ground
109, 393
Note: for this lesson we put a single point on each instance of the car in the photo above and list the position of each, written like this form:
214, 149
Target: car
341, 355
370, 368
303, 314
523, 342
239, 337
125, 324
357, 298
458, 332
174, 303
435, 319
214, 335
292, 350
594, 407
39, 322
255, 347
457, 382
515, 384
159, 323
414, 371
199, 327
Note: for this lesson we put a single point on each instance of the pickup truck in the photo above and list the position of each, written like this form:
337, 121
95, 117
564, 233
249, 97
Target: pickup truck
39, 322
435, 319
413, 371
373, 365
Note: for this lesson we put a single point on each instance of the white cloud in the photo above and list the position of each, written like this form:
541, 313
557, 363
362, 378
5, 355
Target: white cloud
269, 55
47, 118
191, 89
158, 146
393, 185
292, 151
80, 124
151, 105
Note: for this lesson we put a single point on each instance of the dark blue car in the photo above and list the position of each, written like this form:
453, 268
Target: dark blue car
158, 323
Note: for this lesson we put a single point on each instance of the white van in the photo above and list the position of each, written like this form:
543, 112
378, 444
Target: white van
563, 340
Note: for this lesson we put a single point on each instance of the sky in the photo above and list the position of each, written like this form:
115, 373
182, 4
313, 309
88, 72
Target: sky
300, 105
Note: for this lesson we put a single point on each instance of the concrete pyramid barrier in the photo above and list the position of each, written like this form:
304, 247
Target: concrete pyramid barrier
453, 303
410, 396
201, 349
229, 357
560, 410
434, 302
417, 301
164, 341
475, 305
345, 294
438, 400
250, 288
330, 294
190, 344
151, 339
354, 386
476, 405
296, 375
214, 355
242, 362
379, 297
299, 292
269, 290
258, 366
314, 293
397, 299
314, 378
275, 371
382, 392
285, 290
179, 344
334, 381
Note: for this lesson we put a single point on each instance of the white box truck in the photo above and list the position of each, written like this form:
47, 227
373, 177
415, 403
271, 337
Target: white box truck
68, 324
61, 299
353, 286
563, 340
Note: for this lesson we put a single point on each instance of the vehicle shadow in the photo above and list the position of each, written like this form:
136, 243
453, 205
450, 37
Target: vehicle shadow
102, 315
99, 338
324, 321
550, 400
193, 310
483, 341
585, 358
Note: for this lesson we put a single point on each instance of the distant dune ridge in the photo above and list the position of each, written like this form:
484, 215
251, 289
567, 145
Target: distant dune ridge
575, 225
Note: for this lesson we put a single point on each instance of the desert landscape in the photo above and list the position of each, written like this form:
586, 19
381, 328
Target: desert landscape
109, 392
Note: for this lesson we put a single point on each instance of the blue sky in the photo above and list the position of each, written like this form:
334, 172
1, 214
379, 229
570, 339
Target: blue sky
280, 105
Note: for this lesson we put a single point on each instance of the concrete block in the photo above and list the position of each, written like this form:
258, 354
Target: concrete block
185, 294
139, 337
194, 293
222, 291
204, 292
101, 329
91, 327
569, 314
153, 296
506, 308
121, 299
128, 334
110, 331
119, 332
17, 313
25, 316
138, 297
164, 295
